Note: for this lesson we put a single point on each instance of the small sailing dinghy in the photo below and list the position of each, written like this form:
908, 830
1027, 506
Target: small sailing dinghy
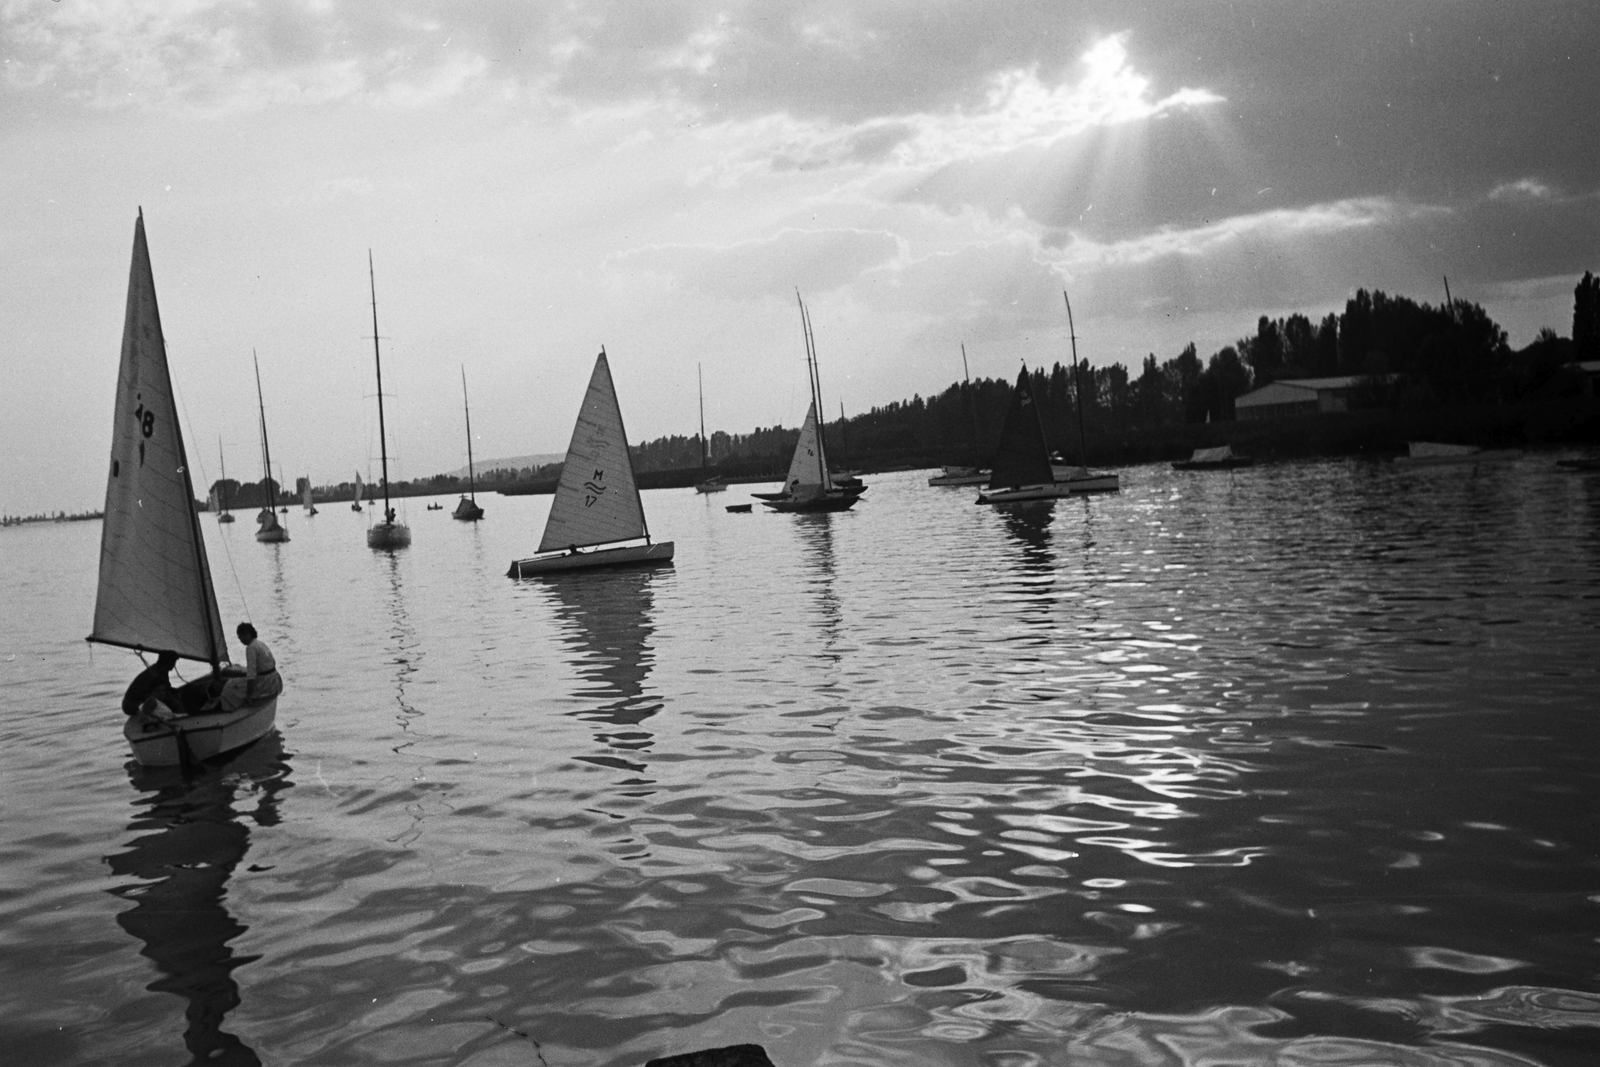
712, 484
468, 510
964, 475
271, 530
596, 508
809, 486
388, 533
222, 486
1022, 460
305, 496
1081, 479
355, 501
155, 592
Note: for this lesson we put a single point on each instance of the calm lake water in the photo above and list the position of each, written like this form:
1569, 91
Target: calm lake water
1295, 765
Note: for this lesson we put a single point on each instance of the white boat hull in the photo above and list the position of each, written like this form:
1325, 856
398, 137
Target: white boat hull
388, 535
628, 556
959, 476
1466, 459
1081, 481
191, 738
1024, 493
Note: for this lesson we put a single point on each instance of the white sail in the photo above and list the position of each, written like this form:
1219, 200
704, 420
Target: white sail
305, 495
358, 487
596, 500
155, 582
808, 470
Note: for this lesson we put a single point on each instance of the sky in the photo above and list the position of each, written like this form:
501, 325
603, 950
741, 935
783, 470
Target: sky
534, 181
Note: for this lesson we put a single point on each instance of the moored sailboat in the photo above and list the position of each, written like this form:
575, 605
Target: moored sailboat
272, 530
1081, 479
596, 517
155, 592
355, 501
809, 486
222, 486
705, 484
388, 533
971, 474
468, 510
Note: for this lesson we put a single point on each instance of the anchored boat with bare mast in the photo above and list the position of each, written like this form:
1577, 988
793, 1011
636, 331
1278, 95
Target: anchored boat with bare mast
468, 510
388, 533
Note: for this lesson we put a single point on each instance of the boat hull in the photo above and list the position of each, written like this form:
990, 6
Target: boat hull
834, 501
710, 487
1080, 481
1213, 465
1466, 460
628, 556
192, 738
1022, 494
388, 535
467, 511
272, 537
960, 476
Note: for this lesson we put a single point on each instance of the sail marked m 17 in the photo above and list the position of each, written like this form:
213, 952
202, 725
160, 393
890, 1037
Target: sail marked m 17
155, 587
596, 500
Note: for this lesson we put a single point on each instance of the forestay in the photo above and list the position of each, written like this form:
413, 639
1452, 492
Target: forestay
596, 500
808, 470
155, 582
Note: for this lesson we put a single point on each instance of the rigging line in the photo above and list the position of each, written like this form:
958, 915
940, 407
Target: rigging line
227, 549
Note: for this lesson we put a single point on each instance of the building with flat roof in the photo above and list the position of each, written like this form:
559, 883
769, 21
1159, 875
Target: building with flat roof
1291, 397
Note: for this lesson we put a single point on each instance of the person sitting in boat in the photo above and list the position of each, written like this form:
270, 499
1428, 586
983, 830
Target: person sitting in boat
260, 679
150, 685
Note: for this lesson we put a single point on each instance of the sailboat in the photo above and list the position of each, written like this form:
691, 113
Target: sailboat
305, 496
713, 484
388, 533
596, 508
222, 486
155, 592
355, 501
1081, 479
271, 530
468, 510
973, 474
1022, 459
809, 486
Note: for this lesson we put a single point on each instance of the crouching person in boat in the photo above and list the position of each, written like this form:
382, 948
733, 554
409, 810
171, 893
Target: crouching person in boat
260, 679
151, 686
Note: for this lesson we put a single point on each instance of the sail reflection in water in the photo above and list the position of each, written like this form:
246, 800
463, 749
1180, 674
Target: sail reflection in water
192, 834
608, 621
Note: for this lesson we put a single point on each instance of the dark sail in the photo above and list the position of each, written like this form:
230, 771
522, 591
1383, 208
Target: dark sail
1022, 457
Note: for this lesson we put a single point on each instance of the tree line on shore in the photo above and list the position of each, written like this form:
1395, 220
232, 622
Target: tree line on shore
1412, 360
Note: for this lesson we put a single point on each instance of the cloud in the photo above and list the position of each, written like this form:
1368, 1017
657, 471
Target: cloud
815, 261
1525, 189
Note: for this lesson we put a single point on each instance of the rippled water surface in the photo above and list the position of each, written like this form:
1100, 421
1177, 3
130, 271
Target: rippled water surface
1295, 765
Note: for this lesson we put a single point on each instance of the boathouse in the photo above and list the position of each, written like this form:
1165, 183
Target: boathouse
1298, 396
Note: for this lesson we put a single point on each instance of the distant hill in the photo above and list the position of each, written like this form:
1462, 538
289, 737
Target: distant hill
512, 463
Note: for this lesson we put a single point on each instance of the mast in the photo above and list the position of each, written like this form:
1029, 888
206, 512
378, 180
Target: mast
627, 455
815, 382
472, 484
1077, 382
383, 444
222, 486
700, 378
266, 449
972, 405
